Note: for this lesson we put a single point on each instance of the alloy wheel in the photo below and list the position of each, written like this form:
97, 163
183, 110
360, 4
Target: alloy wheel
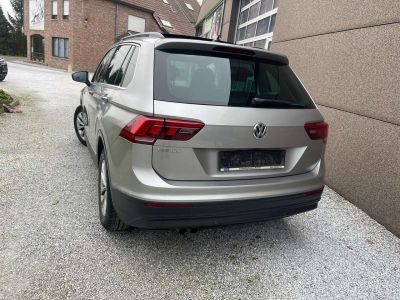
80, 125
103, 188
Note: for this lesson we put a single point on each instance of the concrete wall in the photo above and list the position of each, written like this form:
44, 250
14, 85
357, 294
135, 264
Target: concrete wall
347, 55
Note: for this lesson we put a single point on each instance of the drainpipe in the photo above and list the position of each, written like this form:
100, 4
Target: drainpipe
116, 21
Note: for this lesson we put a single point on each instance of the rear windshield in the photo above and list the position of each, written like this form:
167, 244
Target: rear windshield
226, 80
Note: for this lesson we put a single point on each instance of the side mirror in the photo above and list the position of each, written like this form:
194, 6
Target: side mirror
81, 76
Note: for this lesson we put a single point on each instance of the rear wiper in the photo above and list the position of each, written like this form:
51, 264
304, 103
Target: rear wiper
262, 102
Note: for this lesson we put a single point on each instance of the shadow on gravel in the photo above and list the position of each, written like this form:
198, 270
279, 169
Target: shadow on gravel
214, 244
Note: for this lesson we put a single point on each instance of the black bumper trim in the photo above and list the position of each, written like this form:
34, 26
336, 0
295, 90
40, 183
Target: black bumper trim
133, 211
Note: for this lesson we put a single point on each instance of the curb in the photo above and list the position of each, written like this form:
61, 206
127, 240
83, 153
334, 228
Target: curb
37, 65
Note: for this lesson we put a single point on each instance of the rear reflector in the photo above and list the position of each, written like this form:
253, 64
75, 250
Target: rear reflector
145, 130
157, 204
314, 192
317, 131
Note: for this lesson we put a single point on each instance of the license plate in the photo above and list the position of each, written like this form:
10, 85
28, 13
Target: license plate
251, 160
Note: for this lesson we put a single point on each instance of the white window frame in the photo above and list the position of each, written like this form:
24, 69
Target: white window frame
136, 24
54, 9
56, 41
166, 23
268, 36
189, 6
66, 9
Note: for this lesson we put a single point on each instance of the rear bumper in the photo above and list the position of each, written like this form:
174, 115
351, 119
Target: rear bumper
137, 213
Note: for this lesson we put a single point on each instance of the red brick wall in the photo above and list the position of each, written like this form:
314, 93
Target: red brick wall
52, 28
94, 32
92, 28
122, 19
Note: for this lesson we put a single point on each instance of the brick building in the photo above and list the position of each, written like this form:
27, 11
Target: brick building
245, 22
75, 34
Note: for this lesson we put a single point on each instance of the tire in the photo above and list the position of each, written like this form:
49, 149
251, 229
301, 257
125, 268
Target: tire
79, 125
108, 216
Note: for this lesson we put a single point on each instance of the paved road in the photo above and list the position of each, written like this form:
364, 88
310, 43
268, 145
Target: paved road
52, 245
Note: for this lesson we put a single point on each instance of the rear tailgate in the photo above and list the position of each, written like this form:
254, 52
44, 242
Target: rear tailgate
231, 128
231, 94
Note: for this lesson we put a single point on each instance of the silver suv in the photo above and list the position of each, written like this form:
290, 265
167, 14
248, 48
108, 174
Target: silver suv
189, 132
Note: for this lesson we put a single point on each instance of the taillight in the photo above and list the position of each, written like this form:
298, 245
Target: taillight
317, 131
145, 130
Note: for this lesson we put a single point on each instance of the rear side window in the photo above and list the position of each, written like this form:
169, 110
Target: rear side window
117, 66
226, 80
102, 67
131, 66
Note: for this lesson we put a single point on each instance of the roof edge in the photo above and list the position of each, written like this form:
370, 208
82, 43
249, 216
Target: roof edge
122, 2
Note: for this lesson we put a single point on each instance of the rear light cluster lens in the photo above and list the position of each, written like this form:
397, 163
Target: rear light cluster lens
145, 130
317, 131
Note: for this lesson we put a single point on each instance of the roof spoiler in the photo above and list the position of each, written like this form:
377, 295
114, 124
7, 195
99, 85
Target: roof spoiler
189, 45
159, 35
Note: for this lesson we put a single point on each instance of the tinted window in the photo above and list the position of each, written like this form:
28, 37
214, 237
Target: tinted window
226, 80
131, 67
260, 43
115, 69
251, 30
266, 5
98, 75
244, 15
254, 11
262, 26
241, 33
272, 25
245, 2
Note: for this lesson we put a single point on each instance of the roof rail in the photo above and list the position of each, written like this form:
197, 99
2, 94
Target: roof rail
142, 35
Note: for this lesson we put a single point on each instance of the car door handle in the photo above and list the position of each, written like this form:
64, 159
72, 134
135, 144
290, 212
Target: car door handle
91, 92
104, 98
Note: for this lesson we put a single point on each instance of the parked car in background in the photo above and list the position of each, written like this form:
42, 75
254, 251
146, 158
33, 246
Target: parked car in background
189, 132
3, 68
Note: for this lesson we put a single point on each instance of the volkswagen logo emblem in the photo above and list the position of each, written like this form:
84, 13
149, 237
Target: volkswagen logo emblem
259, 130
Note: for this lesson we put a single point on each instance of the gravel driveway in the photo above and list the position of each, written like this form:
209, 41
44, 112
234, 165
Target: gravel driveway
52, 245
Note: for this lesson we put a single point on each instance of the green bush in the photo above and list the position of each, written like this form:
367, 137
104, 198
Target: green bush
4, 97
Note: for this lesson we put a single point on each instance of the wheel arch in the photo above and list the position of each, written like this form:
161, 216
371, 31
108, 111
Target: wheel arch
101, 146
